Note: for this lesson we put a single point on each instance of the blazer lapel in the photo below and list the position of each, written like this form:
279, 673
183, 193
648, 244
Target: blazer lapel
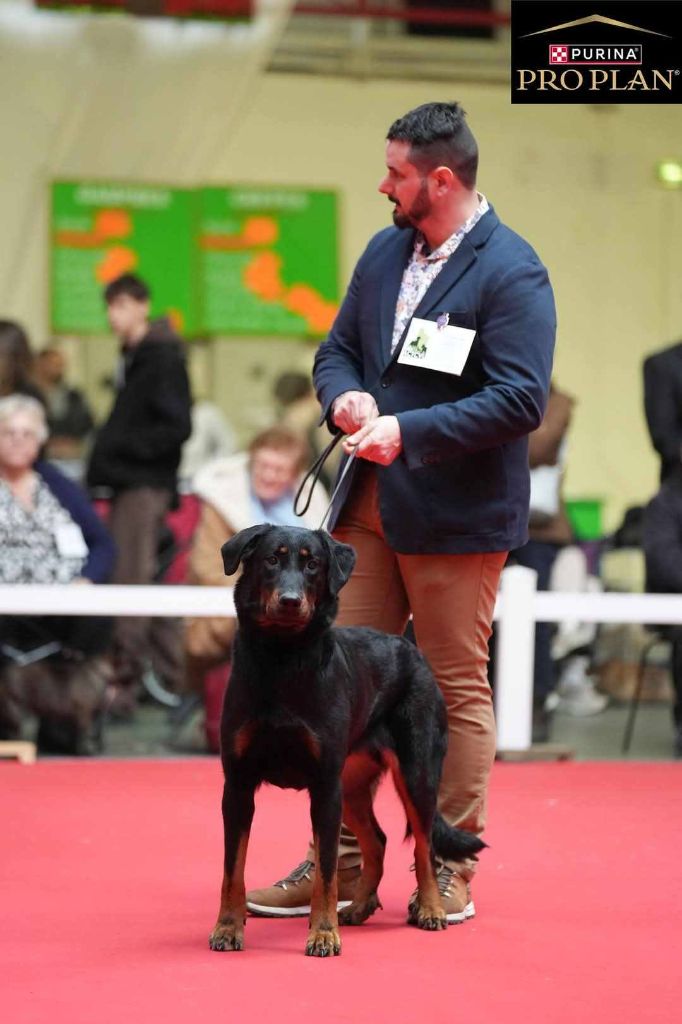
390, 288
458, 264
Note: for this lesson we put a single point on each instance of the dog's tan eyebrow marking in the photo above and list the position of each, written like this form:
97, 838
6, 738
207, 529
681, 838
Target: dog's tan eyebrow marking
305, 552
283, 549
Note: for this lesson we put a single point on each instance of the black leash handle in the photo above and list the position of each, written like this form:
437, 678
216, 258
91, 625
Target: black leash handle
313, 475
316, 469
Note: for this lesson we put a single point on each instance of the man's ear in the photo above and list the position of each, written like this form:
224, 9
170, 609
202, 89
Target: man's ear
341, 561
241, 546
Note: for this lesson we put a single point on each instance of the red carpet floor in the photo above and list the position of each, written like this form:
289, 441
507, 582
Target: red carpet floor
109, 877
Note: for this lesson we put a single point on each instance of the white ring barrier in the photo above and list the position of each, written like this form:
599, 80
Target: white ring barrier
113, 599
519, 606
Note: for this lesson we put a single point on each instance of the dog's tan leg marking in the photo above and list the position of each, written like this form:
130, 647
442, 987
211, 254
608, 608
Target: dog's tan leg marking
323, 936
228, 933
360, 774
242, 739
427, 909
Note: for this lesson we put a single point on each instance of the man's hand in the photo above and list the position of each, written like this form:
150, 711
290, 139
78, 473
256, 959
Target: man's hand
353, 410
379, 441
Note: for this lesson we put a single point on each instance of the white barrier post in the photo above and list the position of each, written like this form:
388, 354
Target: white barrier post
514, 658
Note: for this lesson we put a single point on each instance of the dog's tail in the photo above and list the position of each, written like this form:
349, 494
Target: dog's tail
452, 843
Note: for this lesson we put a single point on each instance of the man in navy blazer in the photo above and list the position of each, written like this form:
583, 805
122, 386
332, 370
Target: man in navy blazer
439, 489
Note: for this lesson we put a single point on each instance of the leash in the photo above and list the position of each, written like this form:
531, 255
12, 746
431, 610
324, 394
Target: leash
313, 475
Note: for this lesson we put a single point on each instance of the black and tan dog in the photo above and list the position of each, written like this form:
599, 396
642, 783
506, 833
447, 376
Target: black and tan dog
328, 710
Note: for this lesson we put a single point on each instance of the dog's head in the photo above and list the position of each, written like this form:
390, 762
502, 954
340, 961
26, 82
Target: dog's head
291, 576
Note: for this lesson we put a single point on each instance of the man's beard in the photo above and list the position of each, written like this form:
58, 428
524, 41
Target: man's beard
421, 208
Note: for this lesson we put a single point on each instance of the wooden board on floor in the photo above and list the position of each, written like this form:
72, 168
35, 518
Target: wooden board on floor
538, 752
22, 750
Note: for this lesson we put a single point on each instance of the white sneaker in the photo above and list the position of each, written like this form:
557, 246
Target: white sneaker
581, 701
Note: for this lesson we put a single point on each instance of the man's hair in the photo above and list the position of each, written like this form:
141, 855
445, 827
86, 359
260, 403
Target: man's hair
438, 136
127, 284
282, 439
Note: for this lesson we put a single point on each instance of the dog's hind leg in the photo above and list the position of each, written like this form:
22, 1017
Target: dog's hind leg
359, 779
238, 806
419, 743
426, 909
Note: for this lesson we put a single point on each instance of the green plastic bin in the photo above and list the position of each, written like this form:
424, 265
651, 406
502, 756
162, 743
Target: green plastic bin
585, 516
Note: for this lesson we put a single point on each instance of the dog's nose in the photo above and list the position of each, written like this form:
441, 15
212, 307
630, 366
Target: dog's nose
289, 599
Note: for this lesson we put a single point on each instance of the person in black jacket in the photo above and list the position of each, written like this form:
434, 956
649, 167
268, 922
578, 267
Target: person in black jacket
663, 405
135, 457
662, 542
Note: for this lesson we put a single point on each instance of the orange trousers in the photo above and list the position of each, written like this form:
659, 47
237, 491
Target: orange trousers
451, 599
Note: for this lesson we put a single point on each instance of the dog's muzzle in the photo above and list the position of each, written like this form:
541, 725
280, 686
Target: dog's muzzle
288, 608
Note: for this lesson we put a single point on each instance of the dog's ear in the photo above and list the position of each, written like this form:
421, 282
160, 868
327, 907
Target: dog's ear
241, 546
341, 561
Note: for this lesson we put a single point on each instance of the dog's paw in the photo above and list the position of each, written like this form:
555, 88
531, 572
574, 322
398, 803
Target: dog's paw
323, 942
430, 919
357, 912
226, 937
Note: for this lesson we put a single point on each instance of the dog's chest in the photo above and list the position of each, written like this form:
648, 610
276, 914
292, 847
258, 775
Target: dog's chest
283, 752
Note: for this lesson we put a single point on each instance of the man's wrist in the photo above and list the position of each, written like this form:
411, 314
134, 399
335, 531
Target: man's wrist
338, 399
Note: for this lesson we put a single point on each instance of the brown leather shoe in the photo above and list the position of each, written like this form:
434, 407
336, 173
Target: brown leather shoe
455, 894
291, 896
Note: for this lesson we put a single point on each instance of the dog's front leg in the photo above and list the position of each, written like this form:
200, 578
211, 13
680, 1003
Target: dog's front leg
238, 807
325, 814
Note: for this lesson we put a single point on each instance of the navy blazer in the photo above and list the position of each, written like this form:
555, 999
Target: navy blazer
99, 565
461, 482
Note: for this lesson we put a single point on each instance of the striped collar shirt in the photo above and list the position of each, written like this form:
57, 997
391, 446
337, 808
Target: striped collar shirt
424, 267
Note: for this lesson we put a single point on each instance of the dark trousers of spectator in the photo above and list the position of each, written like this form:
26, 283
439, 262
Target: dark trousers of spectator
540, 555
136, 519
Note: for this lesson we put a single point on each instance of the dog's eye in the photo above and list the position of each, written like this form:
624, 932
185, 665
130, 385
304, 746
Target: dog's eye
312, 563
272, 560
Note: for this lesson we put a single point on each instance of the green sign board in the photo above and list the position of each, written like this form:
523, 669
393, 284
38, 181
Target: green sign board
268, 260
239, 260
101, 230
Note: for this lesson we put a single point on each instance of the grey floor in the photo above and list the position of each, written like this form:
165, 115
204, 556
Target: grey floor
153, 733
600, 737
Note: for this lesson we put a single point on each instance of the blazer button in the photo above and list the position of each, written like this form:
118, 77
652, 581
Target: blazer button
385, 383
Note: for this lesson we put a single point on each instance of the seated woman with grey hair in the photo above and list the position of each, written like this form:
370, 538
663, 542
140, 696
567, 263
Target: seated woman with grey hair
49, 533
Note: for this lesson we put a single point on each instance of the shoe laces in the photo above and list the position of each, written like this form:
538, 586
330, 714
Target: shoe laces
445, 876
296, 876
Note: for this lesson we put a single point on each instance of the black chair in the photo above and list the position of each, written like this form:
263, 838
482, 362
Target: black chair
658, 635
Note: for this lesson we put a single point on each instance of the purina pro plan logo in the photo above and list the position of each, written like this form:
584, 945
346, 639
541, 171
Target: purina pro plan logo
608, 52
559, 54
